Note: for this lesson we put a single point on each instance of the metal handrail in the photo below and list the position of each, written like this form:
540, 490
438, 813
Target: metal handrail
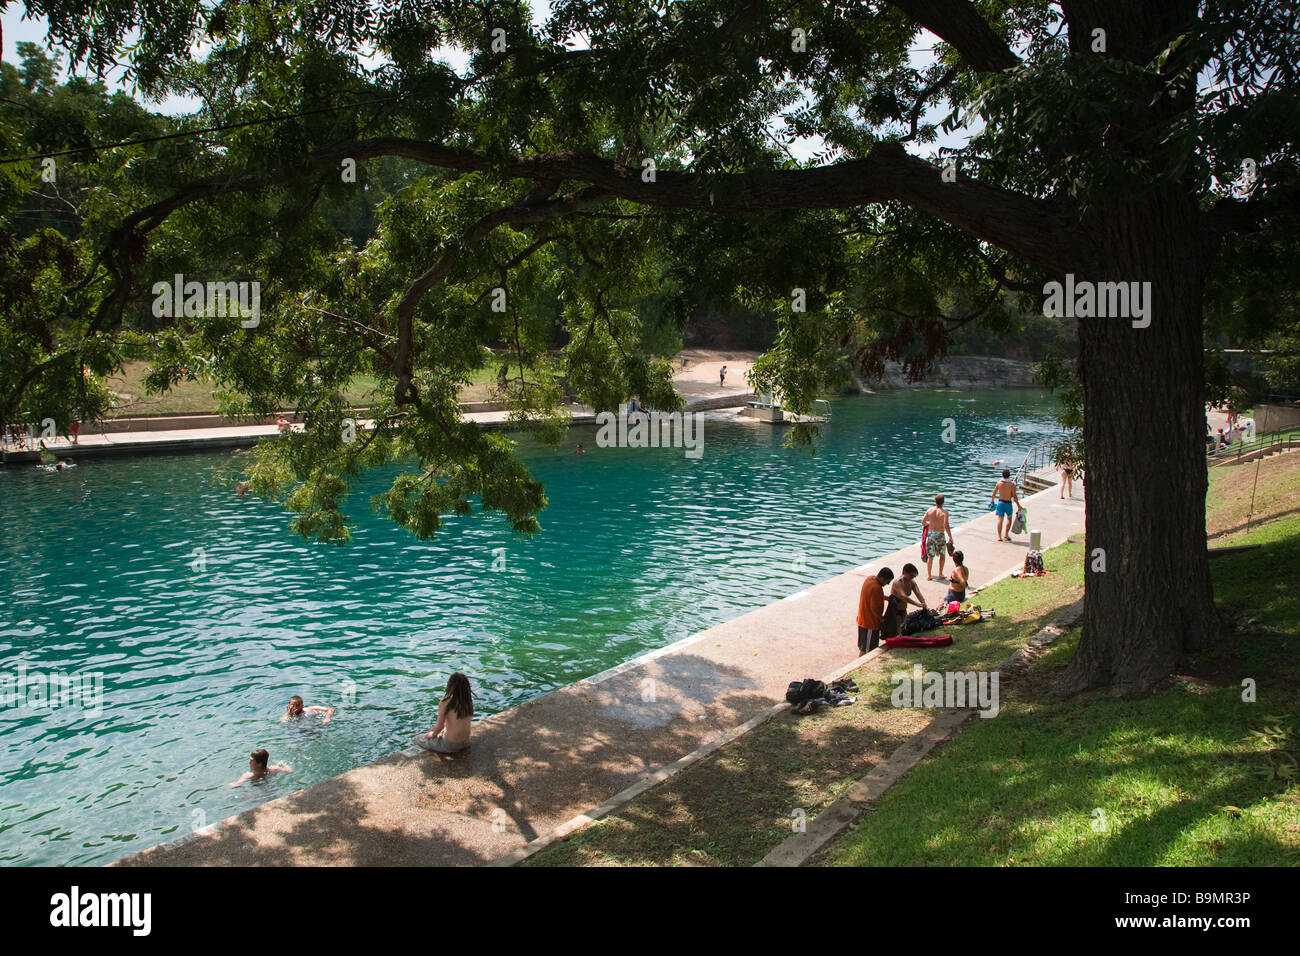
1036, 455
1235, 451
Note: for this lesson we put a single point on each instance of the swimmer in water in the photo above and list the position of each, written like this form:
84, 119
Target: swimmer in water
579, 450
259, 766
296, 709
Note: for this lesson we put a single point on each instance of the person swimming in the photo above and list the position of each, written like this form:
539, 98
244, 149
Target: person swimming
296, 710
259, 767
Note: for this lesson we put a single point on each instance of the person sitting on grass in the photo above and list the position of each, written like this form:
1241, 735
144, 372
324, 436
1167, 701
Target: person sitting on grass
260, 767
958, 580
296, 710
451, 733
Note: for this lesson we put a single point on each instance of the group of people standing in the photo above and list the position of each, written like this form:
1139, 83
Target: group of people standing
881, 615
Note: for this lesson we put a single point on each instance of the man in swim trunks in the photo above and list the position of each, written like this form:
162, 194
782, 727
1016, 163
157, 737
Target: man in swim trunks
1004, 493
936, 539
871, 605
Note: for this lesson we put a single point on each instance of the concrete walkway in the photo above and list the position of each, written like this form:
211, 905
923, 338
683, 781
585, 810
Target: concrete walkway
161, 441
700, 391
538, 765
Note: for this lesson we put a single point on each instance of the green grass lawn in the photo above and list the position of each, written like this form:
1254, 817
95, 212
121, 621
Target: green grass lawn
1192, 775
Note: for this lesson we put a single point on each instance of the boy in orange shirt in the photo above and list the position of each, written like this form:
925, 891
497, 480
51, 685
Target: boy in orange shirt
871, 604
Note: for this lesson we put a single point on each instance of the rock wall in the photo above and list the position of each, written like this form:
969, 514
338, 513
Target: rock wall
964, 371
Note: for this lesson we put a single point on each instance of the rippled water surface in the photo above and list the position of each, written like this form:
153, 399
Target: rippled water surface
640, 548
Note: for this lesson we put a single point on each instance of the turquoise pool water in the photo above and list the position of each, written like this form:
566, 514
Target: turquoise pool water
640, 548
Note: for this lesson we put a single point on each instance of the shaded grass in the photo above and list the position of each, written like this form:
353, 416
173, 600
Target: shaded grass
196, 398
737, 804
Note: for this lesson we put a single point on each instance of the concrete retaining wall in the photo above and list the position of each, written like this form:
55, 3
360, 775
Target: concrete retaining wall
1274, 418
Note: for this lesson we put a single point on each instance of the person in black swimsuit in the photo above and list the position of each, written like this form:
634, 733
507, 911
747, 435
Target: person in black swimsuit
958, 580
1067, 478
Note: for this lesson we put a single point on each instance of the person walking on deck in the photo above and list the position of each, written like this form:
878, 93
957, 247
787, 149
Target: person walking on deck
1004, 493
936, 537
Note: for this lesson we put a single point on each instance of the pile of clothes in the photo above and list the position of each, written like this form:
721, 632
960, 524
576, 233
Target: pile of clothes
808, 695
967, 613
1033, 566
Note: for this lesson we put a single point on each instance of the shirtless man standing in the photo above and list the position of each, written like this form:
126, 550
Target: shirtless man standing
1004, 492
936, 538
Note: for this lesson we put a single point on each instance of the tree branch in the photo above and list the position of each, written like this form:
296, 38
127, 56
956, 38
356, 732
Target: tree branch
528, 211
959, 24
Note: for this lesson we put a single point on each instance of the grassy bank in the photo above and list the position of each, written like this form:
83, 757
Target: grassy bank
196, 398
1192, 775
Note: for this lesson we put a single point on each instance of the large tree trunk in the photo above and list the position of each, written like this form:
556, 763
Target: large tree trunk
1144, 431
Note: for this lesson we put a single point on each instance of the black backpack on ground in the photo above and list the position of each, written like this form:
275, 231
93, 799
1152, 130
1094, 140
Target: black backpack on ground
806, 689
920, 620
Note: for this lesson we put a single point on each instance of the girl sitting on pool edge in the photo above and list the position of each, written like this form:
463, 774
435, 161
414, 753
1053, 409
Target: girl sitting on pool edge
451, 733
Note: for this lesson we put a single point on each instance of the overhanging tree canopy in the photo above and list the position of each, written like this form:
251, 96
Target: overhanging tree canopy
1109, 143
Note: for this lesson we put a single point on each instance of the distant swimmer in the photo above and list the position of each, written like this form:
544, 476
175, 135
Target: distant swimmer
260, 766
579, 450
296, 710
1012, 430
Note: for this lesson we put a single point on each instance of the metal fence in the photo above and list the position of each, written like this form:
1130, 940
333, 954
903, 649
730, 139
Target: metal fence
1239, 449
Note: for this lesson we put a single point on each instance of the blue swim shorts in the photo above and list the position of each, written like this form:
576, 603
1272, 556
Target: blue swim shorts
1003, 509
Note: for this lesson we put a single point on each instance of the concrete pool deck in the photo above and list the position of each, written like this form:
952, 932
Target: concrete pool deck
538, 765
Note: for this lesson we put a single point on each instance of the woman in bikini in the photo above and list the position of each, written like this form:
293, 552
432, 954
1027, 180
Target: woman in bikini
958, 580
1067, 478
